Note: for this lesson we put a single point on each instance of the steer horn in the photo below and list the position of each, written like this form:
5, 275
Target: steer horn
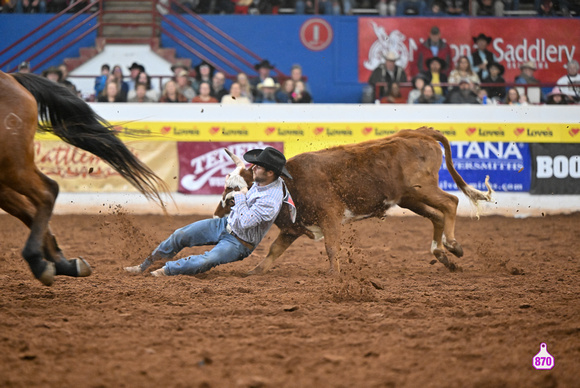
239, 162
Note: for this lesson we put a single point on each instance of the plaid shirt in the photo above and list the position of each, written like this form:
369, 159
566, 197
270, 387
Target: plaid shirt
254, 213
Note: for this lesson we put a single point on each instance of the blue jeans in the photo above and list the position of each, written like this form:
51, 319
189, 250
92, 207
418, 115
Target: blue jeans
205, 232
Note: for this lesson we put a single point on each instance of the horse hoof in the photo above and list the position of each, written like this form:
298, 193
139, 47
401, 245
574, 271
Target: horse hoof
454, 247
83, 268
47, 276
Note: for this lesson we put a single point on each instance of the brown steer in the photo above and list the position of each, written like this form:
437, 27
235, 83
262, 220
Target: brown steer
359, 181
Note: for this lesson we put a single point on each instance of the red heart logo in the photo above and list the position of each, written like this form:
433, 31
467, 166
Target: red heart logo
470, 131
165, 130
367, 130
519, 131
318, 130
574, 131
270, 130
214, 130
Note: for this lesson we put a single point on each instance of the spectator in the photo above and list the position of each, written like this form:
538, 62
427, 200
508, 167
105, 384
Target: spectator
9, 6
30, 6
436, 75
410, 7
546, 8
218, 89
101, 80
464, 94
495, 70
300, 95
204, 95
456, 8
178, 67
65, 81
53, 73
267, 93
24, 67
325, 7
264, 68
512, 97
387, 7
433, 46
143, 78
235, 96
387, 72
524, 100
285, 93
394, 95
557, 97
526, 77
171, 93
296, 75
184, 86
463, 70
570, 83
140, 94
435, 8
418, 82
428, 96
245, 87
487, 8
134, 70
481, 56
203, 73
55, 6
111, 92
483, 98
122, 87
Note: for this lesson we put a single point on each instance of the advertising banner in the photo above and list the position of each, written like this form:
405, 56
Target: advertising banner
548, 42
77, 170
555, 169
203, 166
507, 164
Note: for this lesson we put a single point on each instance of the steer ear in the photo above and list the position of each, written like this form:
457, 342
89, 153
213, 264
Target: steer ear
239, 162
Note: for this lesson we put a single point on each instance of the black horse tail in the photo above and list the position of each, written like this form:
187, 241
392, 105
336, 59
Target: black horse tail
74, 121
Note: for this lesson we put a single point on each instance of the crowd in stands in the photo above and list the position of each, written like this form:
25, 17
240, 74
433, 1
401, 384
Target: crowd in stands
474, 79
336, 7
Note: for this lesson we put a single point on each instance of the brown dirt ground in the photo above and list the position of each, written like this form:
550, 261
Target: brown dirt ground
388, 320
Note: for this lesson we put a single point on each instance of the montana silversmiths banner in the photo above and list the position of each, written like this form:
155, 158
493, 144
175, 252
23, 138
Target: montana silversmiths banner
507, 164
555, 169
203, 166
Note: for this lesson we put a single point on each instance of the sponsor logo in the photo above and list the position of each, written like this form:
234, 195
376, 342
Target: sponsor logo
214, 130
448, 132
367, 130
316, 34
490, 132
385, 42
270, 130
165, 130
540, 132
180, 131
228, 132
519, 131
560, 166
338, 132
470, 131
537, 50
132, 131
318, 130
385, 132
284, 132
573, 131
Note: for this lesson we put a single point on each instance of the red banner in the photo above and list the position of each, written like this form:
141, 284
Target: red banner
551, 43
203, 166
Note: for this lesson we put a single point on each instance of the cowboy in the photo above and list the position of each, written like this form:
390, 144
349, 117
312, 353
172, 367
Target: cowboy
387, 72
526, 77
571, 81
481, 56
234, 236
263, 67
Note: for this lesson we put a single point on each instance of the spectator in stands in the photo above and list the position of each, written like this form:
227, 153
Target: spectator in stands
134, 70
394, 95
410, 7
386, 7
300, 95
8, 6
101, 80
464, 94
387, 72
122, 86
296, 75
264, 68
526, 77
245, 87
325, 7
434, 46
557, 97
143, 78
31, 6
495, 70
267, 92
435, 8
461, 71
65, 81
184, 86
53, 73
204, 95
218, 82
24, 67
284, 94
487, 8
235, 96
418, 82
203, 73
428, 96
456, 8
566, 6
436, 75
140, 94
171, 93
55, 6
177, 67
570, 83
481, 56
111, 92
546, 8
512, 97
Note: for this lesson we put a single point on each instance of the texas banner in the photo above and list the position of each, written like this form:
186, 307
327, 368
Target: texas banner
551, 43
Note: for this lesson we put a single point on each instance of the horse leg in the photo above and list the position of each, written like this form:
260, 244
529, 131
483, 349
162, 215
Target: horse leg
282, 242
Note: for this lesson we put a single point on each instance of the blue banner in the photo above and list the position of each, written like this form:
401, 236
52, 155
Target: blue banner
507, 164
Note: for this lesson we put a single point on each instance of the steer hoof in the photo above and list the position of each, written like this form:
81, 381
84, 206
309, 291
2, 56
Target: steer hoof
256, 271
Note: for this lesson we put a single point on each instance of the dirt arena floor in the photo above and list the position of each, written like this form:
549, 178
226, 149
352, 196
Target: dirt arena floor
390, 319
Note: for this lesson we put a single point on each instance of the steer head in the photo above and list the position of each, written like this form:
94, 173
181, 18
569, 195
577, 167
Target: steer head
235, 181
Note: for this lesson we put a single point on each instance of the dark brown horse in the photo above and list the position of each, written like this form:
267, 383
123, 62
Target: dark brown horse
28, 194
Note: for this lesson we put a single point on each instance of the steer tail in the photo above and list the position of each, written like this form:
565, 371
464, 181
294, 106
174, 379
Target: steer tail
472, 193
75, 122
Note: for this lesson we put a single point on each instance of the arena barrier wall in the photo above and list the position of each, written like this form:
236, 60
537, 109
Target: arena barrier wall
524, 149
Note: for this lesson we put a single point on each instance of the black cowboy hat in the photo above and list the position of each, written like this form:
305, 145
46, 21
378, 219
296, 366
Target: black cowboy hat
264, 63
135, 65
269, 158
498, 65
204, 63
483, 37
441, 62
52, 70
